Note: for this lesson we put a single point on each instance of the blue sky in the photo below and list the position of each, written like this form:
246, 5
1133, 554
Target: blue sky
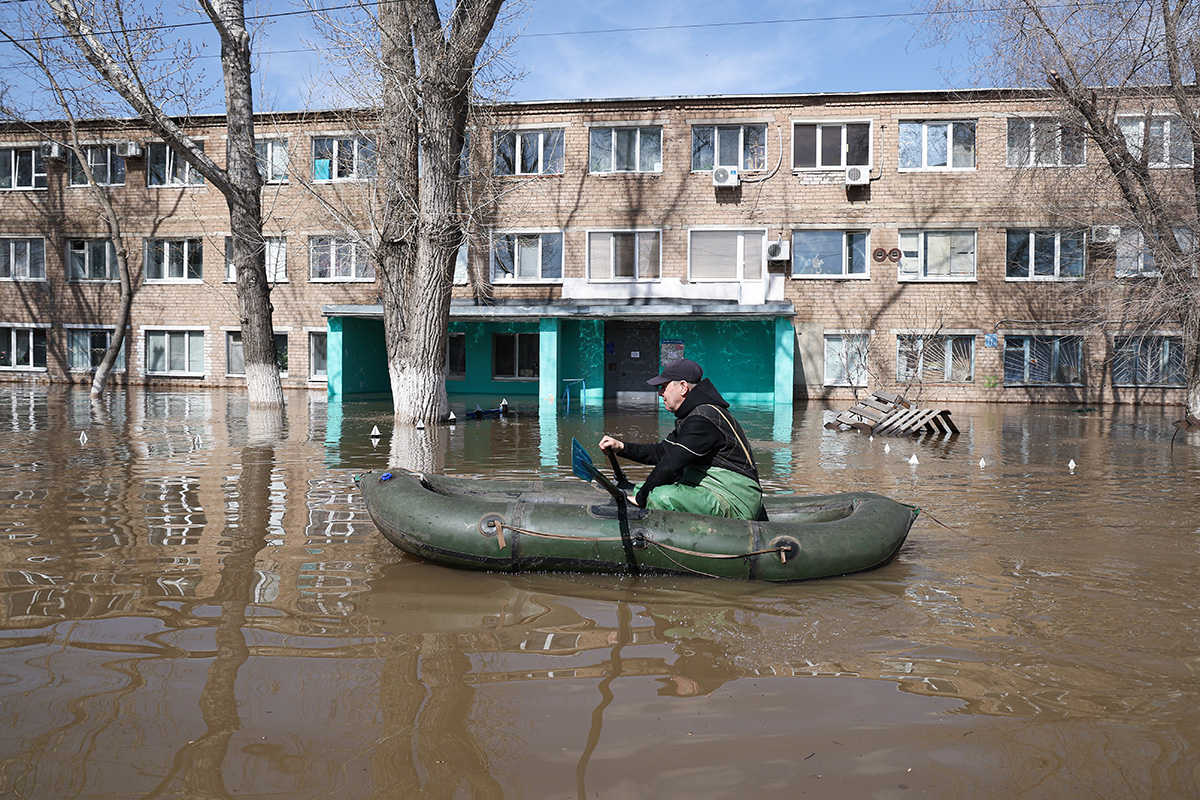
846, 46
676, 47
639, 48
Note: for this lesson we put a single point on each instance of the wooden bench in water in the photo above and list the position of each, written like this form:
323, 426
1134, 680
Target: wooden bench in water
891, 415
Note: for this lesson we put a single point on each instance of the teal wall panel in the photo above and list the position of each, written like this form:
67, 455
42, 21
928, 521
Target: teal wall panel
357, 358
479, 361
738, 356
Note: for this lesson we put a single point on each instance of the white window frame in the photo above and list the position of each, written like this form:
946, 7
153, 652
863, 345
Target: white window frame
316, 355
1040, 142
549, 158
23, 258
526, 239
848, 239
11, 159
1169, 146
1134, 258
273, 156
83, 350
361, 158
952, 126
646, 266
176, 171
86, 249
11, 333
233, 349
187, 246
1035, 237
648, 159
748, 158
190, 339
1029, 360
275, 257
854, 367
915, 252
745, 270
359, 270
922, 357
517, 337
1143, 348
102, 158
825, 128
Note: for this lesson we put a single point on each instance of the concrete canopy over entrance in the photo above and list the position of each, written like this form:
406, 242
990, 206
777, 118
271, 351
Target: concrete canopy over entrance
522, 349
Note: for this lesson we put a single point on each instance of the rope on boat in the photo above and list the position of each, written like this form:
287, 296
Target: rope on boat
501, 527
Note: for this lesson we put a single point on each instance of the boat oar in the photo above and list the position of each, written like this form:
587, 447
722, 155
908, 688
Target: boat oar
618, 473
585, 470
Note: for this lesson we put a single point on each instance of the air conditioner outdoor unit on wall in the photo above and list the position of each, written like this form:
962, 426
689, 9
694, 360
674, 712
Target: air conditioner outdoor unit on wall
1105, 234
128, 149
53, 150
725, 176
858, 176
779, 251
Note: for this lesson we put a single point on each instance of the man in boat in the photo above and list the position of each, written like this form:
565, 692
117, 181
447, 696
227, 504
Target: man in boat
705, 465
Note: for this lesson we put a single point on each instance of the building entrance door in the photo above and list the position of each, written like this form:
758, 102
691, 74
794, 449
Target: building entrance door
630, 359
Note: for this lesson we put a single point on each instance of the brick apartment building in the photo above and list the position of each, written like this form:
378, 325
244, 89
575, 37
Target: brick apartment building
799, 246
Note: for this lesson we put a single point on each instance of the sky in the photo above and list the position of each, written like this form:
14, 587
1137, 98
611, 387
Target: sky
655, 48
581, 49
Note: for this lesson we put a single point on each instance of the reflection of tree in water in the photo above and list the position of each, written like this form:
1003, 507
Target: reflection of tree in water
198, 764
426, 703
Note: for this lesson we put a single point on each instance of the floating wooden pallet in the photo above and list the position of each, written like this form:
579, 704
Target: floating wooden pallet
891, 415
866, 414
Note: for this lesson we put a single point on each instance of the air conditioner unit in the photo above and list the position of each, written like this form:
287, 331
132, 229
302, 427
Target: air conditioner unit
1105, 234
53, 150
858, 176
725, 176
779, 251
128, 149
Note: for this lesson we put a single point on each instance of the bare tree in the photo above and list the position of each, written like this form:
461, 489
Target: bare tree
420, 68
1125, 75
102, 34
47, 63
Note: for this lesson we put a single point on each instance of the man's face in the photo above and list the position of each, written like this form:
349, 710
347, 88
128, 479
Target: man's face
672, 394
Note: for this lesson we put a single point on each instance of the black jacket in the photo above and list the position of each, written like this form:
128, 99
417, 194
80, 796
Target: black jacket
705, 434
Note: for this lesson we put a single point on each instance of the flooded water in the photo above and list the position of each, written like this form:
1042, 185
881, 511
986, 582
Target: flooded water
193, 603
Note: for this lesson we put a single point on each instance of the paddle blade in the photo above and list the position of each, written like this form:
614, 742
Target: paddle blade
581, 462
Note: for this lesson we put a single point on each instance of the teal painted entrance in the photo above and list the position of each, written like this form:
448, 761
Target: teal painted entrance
513, 351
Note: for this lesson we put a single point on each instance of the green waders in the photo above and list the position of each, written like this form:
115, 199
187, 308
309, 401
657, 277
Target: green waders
713, 491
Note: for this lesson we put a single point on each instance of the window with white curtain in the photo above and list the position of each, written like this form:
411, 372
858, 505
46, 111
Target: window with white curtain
22, 259
937, 255
726, 255
624, 255
175, 352
275, 255
846, 359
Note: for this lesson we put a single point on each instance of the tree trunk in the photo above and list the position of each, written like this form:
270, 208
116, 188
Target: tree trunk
245, 211
429, 70
124, 303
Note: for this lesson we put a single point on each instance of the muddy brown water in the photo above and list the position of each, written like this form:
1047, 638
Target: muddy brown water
193, 603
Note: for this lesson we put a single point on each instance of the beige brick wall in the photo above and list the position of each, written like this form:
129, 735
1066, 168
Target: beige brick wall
778, 200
